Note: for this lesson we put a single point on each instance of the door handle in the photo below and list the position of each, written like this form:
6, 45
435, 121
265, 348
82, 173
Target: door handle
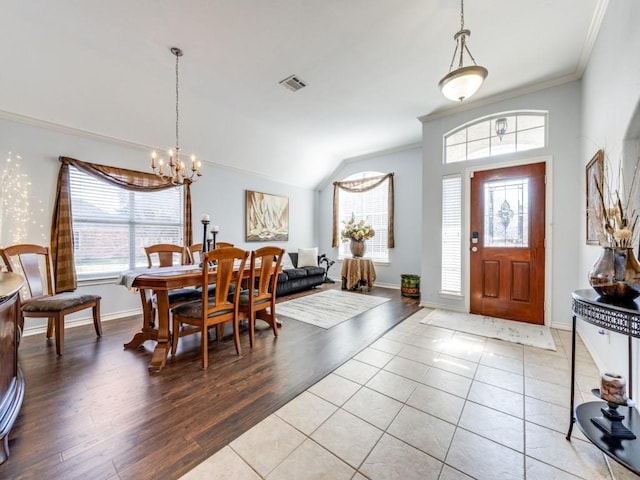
474, 249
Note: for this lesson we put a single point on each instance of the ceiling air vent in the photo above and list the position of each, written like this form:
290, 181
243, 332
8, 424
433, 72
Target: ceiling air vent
293, 83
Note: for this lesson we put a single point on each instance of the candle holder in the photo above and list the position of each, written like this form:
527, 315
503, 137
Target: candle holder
214, 233
205, 222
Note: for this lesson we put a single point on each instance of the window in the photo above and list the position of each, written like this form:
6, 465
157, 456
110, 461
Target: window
480, 138
111, 225
373, 207
451, 281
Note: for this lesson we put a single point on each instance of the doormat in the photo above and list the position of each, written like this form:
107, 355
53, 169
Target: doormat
328, 308
507, 330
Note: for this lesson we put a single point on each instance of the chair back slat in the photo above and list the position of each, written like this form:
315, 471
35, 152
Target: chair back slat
266, 281
166, 255
226, 260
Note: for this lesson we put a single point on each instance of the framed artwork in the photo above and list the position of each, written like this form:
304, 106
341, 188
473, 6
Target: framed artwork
267, 217
594, 175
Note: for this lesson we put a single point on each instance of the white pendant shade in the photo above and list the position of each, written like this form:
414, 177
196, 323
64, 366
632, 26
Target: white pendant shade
463, 82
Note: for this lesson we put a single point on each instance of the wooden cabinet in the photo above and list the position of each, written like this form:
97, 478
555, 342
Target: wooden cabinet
11, 379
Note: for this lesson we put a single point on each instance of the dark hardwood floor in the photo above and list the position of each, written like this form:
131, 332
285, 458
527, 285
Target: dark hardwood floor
97, 412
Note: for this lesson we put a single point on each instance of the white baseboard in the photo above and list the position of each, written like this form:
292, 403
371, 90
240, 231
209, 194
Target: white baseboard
88, 320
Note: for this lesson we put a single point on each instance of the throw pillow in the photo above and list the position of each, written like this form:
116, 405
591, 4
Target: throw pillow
286, 264
307, 257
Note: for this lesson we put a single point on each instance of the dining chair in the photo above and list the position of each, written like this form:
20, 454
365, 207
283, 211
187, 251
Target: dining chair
195, 253
254, 302
216, 309
166, 255
224, 245
39, 299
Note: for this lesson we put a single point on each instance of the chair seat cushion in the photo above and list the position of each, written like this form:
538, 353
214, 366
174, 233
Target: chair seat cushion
194, 309
180, 295
59, 302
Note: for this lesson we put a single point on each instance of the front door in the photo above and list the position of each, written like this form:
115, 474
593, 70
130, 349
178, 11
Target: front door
507, 243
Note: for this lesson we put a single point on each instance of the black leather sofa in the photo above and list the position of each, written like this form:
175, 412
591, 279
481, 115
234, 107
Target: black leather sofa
298, 279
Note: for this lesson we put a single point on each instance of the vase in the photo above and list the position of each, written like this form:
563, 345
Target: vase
357, 248
616, 274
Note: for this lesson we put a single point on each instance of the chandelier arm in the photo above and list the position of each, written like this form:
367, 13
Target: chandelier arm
453, 59
471, 56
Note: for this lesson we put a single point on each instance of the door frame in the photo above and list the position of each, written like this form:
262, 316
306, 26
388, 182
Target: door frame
468, 173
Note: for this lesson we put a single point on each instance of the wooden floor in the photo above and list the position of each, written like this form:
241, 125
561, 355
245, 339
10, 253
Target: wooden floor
97, 412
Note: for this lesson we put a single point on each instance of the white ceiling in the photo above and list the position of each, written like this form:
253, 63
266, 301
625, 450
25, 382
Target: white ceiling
372, 67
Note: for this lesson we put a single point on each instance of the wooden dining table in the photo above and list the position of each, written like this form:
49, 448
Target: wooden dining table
161, 280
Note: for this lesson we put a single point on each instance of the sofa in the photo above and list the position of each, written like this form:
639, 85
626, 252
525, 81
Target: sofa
293, 279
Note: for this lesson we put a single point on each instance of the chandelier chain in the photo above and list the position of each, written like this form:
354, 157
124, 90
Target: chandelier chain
461, 14
177, 103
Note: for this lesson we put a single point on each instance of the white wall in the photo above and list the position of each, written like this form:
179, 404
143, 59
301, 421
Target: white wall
610, 101
563, 104
405, 257
220, 193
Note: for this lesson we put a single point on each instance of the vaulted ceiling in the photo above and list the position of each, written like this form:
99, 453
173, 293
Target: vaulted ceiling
372, 68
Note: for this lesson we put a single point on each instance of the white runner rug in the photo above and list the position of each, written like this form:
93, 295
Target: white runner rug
328, 308
508, 330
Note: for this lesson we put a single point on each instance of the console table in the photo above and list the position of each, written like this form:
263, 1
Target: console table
616, 317
11, 379
357, 272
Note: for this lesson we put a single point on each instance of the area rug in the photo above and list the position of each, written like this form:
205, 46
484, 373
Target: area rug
508, 330
328, 308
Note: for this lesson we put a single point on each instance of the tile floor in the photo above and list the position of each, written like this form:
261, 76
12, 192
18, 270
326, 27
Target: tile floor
428, 403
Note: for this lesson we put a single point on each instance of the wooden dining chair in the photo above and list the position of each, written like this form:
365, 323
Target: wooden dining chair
39, 299
224, 245
195, 253
254, 302
166, 255
216, 309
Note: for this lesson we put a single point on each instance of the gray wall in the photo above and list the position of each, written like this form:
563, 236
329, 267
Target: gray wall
220, 193
610, 103
407, 168
563, 152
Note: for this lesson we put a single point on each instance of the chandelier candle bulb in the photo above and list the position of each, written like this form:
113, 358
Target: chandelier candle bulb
153, 159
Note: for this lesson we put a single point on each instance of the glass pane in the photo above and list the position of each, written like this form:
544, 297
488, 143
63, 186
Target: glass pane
101, 247
506, 213
478, 149
458, 137
530, 121
506, 145
457, 153
479, 131
529, 139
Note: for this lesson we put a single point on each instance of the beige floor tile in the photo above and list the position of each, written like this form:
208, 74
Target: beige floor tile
373, 407
423, 431
398, 335
281, 437
548, 415
430, 343
483, 459
536, 469
552, 373
578, 457
392, 385
311, 461
374, 357
435, 332
436, 402
387, 345
502, 362
224, 465
306, 412
500, 378
348, 437
407, 368
548, 392
620, 472
335, 389
449, 473
456, 365
418, 354
394, 459
447, 381
466, 346
359, 476
494, 425
357, 371
497, 398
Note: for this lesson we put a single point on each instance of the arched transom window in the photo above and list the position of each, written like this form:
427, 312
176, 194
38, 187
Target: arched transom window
497, 134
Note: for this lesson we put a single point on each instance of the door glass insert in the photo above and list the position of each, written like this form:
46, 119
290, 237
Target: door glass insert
506, 213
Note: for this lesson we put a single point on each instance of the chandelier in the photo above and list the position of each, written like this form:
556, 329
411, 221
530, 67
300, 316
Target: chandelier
462, 82
175, 169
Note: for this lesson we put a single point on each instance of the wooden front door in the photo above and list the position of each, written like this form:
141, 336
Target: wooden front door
507, 243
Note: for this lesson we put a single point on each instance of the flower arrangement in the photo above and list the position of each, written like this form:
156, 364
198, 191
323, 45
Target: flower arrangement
615, 214
358, 231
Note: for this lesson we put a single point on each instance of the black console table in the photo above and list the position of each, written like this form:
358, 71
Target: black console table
616, 317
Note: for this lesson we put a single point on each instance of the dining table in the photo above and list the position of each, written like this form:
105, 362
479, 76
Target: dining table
160, 280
